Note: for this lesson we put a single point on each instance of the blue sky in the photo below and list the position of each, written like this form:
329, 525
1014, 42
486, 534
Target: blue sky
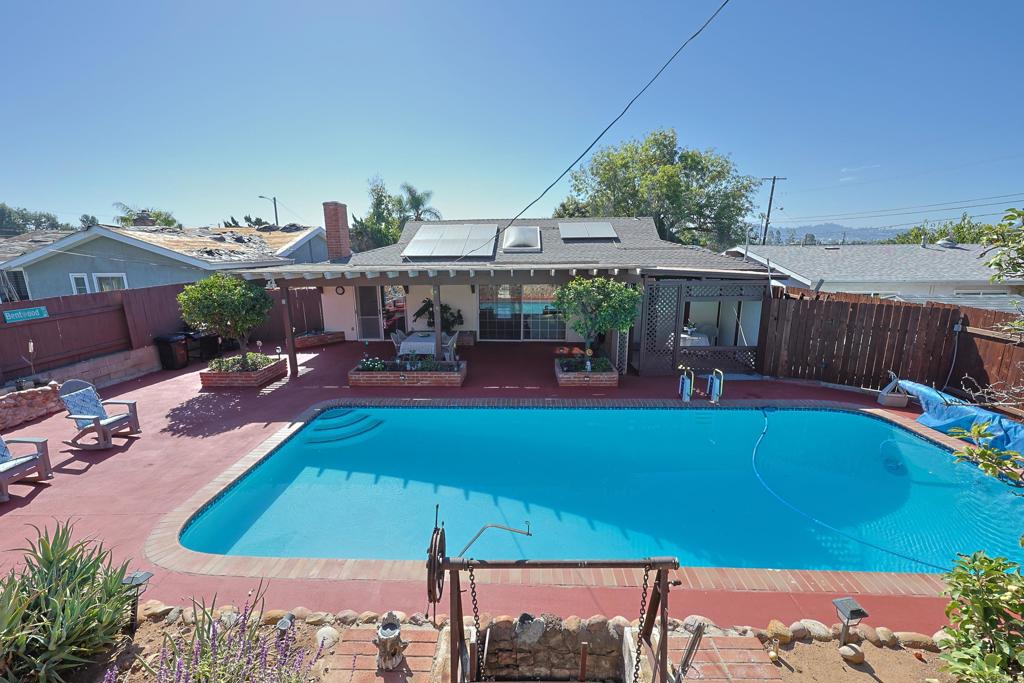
198, 107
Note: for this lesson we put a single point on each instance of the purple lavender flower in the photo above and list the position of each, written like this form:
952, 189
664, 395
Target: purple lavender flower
111, 675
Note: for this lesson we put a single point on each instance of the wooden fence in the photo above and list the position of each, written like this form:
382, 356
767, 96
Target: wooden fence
857, 340
89, 325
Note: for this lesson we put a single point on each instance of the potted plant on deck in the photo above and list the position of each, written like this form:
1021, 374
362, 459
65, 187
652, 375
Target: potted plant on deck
232, 308
594, 306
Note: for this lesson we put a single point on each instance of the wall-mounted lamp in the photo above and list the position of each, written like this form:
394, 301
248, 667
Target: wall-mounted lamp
271, 284
850, 613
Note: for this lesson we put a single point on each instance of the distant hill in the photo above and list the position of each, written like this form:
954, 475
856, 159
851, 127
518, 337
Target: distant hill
832, 233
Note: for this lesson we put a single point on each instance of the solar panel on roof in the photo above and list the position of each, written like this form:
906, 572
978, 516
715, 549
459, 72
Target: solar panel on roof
422, 247
447, 247
452, 241
586, 231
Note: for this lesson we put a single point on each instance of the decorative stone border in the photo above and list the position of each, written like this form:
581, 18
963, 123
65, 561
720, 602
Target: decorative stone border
585, 379
211, 379
305, 341
163, 548
408, 378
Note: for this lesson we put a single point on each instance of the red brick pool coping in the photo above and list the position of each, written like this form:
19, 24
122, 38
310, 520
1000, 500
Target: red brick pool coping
163, 548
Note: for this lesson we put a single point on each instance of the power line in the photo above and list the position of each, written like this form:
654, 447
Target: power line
606, 128
898, 213
864, 214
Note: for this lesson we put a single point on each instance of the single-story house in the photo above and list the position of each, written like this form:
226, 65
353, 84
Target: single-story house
945, 272
107, 257
699, 308
12, 282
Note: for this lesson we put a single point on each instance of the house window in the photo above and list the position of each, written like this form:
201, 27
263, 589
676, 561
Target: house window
79, 283
980, 292
109, 282
520, 312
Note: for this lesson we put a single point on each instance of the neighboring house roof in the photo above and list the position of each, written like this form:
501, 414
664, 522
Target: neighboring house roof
636, 245
900, 263
12, 247
206, 248
1006, 303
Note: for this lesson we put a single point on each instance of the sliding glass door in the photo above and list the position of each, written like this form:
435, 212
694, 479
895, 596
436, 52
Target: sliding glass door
520, 312
368, 310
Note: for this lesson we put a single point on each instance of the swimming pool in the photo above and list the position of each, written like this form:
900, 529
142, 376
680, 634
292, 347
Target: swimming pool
784, 489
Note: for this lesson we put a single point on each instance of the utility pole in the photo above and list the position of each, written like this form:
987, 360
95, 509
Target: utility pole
768, 216
277, 224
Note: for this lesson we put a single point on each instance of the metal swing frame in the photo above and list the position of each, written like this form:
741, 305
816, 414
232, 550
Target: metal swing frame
465, 656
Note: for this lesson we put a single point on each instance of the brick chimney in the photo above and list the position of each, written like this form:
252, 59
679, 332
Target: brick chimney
336, 225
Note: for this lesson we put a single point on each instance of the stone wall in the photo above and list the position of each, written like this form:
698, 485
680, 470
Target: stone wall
112, 368
548, 647
19, 407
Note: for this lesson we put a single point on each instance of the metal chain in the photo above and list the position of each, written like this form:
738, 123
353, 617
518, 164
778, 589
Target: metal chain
640, 626
476, 625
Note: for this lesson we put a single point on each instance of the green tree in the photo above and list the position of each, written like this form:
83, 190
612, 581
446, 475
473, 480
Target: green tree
232, 222
414, 205
254, 221
87, 220
1006, 243
226, 306
964, 231
571, 207
130, 215
596, 305
694, 196
381, 224
15, 220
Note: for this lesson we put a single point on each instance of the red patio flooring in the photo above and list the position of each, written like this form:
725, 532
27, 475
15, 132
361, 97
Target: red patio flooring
191, 436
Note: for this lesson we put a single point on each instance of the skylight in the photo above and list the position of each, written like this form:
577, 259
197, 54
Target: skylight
586, 231
521, 238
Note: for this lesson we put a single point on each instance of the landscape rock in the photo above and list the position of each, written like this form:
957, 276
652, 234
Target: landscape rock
272, 616
417, 619
368, 617
572, 624
913, 640
886, 636
188, 617
762, 635
301, 613
776, 629
173, 616
799, 631
154, 610
690, 622
528, 630
347, 617
942, 639
319, 618
852, 636
327, 637
852, 654
617, 625
502, 627
229, 619
818, 630
868, 633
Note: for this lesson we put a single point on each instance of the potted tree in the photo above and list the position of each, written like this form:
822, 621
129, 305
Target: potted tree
231, 308
594, 306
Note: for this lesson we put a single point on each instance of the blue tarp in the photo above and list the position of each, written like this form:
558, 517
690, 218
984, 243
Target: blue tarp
943, 412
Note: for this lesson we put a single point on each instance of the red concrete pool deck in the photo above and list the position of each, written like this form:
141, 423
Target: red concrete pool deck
192, 437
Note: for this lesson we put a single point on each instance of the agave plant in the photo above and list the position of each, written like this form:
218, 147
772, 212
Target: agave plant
65, 606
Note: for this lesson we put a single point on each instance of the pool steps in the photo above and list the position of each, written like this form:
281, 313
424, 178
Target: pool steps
342, 427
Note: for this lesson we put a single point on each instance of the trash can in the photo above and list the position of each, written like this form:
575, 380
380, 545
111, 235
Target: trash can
173, 350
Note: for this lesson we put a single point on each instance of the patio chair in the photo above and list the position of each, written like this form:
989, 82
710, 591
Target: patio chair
16, 468
397, 337
89, 412
449, 346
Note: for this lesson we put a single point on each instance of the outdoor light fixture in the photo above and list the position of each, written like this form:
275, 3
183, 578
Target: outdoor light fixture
284, 623
278, 352
136, 583
259, 346
850, 613
271, 284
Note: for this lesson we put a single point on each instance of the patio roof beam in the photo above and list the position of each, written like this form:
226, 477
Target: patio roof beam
352, 274
392, 274
438, 342
289, 332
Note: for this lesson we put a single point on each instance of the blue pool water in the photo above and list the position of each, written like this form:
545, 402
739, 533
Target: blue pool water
825, 490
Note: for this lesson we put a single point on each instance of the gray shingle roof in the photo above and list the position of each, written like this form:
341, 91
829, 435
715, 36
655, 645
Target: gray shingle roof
876, 262
638, 245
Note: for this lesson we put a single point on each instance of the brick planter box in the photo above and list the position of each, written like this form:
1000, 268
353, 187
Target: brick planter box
585, 379
222, 380
323, 339
397, 378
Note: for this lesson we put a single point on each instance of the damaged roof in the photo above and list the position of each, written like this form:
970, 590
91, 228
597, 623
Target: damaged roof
12, 247
208, 248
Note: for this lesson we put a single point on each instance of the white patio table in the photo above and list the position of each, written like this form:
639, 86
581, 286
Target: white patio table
694, 339
421, 343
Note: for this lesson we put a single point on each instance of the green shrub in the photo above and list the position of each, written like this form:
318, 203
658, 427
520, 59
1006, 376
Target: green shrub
986, 616
371, 365
64, 607
250, 362
597, 364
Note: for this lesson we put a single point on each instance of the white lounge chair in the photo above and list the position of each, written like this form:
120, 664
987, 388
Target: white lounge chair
89, 412
16, 468
397, 337
449, 346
